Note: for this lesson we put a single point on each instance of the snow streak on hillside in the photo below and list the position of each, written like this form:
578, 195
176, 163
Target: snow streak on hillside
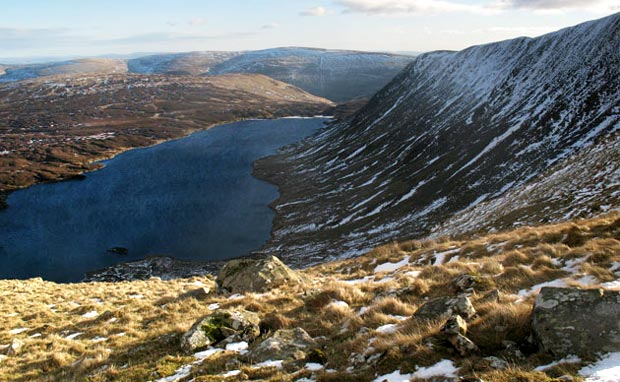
452, 130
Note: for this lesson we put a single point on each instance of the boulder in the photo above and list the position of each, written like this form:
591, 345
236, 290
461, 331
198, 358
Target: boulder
445, 307
198, 293
491, 296
463, 345
255, 275
221, 326
285, 344
574, 321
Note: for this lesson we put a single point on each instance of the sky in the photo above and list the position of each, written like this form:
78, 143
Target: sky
44, 28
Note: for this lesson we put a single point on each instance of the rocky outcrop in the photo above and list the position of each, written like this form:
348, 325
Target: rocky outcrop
285, 344
578, 322
255, 275
444, 307
224, 326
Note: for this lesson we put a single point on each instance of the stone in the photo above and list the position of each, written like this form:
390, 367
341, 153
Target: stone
455, 325
578, 322
198, 293
492, 296
285, 344
221, 326
444, 307
255, 275
14, 347
496, 363
463, 345
464, 282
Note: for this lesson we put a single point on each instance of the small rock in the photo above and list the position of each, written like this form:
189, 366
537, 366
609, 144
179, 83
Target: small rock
15, 347
455, 325
198, 293
496, 363
445, 307
464, 282
221, 326
252, 275
285, 344
492, 296
463, 345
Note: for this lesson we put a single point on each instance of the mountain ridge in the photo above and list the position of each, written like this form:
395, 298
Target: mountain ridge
452, 129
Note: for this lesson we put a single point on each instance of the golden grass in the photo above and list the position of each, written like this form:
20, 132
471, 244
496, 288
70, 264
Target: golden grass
135, 333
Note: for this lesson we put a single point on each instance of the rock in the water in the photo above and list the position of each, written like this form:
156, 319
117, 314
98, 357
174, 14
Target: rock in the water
579, 322
229, 325
444, 307
285, 344
255, 275
118, 250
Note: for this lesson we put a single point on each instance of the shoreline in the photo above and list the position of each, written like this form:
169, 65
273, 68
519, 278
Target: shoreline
4, 194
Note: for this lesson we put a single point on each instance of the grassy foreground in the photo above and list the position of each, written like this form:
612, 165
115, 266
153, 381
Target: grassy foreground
358, 310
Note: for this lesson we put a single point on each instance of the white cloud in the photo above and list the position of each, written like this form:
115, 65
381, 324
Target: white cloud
314, 11
560, 5
411, 6
270, 26
372, 7
197, 22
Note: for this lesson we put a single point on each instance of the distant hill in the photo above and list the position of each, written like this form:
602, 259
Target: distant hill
82, 66
338, 75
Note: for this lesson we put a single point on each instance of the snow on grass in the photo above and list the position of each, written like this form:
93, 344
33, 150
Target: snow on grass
440, 257
313, 366
443, 368
237, 346
91, 314
536, 288
385, 329
607, 369
391, 267
179, 374
99, 339
394, 376
214, 306
74, 335
268, 363
611, 285
231, 373
358, 281
17, 330
569, 359
338, 304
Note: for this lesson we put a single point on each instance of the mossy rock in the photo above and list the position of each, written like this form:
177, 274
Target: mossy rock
255, 275
229, 325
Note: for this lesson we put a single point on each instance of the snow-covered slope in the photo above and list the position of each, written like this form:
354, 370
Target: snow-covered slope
192, 63
450, 131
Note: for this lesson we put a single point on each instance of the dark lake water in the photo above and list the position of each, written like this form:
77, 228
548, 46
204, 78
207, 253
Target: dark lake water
194, 198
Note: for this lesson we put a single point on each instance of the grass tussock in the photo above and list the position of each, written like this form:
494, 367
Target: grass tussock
362, 320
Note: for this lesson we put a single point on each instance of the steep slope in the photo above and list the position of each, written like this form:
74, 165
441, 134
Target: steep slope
584, 185
82, 66
451, 130
335, 74
54, 127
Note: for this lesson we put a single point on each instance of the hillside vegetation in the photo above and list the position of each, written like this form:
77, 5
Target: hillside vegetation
359, 312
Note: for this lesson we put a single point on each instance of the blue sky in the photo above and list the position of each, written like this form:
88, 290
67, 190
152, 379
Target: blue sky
68, 27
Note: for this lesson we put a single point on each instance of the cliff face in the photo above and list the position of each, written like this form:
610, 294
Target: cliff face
450, 131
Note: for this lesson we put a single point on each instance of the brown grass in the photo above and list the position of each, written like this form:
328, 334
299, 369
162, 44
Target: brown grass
139, 323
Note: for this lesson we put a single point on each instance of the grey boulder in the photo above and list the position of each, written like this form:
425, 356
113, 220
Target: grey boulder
255, 275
